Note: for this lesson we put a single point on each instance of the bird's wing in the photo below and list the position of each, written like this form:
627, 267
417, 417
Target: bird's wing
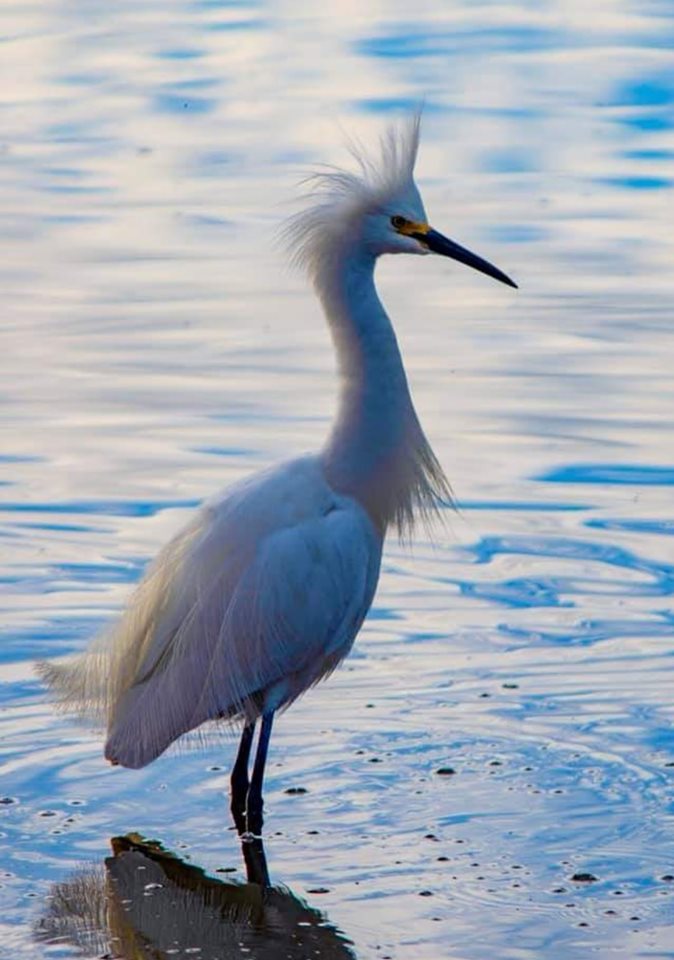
236, 632
180, 593
302, 601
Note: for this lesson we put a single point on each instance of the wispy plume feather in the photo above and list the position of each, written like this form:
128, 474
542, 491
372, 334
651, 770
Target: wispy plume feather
337, 199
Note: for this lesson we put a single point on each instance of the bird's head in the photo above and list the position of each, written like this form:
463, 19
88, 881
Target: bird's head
375, 211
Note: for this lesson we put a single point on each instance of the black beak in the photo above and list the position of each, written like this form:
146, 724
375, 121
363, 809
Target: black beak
447, 248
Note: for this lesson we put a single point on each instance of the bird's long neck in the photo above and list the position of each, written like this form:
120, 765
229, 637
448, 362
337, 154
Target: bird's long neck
377, 451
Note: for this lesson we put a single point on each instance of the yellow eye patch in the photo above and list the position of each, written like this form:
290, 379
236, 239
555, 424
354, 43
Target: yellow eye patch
409, 227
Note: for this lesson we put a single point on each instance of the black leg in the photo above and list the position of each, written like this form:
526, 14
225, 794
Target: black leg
239, 779
255, 860
254, 798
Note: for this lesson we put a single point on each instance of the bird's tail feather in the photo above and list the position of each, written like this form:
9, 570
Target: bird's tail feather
93, 683
78, 684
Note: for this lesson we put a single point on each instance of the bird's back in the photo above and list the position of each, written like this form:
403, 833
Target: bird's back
255, 600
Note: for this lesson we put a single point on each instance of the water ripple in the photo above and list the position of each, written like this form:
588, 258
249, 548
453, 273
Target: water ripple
111, 508
619, 473
504, 724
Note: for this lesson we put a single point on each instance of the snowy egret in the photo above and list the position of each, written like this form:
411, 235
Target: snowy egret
263, 593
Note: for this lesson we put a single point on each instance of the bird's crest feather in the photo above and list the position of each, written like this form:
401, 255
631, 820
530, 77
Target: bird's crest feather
338, 199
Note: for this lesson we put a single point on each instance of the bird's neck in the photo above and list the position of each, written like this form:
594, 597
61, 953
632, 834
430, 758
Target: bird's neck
376, 451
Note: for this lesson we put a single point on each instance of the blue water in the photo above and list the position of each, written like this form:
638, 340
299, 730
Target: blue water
155, 348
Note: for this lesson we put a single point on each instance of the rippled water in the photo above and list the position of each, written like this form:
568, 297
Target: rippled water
155, 349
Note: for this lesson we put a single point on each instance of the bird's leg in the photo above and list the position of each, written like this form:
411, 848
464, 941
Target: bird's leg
239, 782
255, 861
254, 798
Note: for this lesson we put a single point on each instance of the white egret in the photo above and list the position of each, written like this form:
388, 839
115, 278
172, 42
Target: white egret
263, 593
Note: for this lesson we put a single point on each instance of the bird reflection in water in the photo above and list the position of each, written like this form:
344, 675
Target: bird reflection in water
145, 902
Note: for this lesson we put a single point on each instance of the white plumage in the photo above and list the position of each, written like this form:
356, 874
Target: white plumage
252, 603
263, 593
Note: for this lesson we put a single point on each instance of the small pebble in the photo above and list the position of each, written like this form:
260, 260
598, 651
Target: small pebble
425, 893
667, 877
319, 890
584, 878
7, 800
295, 791
445, 771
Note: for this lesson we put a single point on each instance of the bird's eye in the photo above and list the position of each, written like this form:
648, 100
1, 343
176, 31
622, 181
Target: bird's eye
398, 222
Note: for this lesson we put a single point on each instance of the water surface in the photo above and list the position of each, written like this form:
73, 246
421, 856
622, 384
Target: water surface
155, 349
